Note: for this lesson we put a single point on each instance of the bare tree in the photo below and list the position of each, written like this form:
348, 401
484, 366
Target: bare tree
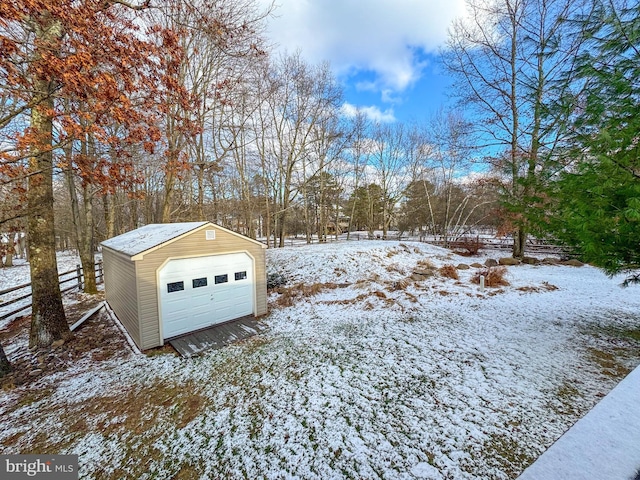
508, 57
357, 157
82, 210
218, 43
389, 160
330, 141
222, 75
450, 160
245, 165
298, 97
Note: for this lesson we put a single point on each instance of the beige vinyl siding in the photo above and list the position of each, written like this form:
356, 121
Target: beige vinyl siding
120, 290
191, 245
261, 280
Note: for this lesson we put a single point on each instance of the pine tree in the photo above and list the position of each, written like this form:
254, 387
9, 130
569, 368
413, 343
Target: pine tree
599, 199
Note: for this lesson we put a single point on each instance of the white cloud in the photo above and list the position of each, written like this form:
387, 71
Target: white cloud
373, 113
467, 177
377, 36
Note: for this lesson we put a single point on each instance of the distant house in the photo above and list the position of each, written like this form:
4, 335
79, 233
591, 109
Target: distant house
165, 280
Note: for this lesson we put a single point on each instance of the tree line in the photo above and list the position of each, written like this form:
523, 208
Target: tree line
116, 113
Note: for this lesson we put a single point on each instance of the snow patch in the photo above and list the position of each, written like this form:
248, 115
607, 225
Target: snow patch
424, 470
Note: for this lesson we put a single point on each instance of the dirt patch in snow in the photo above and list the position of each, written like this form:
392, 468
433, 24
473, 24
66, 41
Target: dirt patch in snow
97, 339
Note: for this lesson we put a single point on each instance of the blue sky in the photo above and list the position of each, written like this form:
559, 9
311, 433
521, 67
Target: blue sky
383, 51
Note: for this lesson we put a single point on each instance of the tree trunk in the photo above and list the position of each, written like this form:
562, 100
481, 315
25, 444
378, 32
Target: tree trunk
24, 252
149, 202
48, 322
322, 216
280, 219
267, 218
83, 220
385, 214
445, 220
200, 177
109, 206
169, 177
353, 211
89, 273
85, 245
519, 242
370, 213
172, 171
338, 230
8, 262
308, 224
282, 214
519, 237
5, 366
168, 197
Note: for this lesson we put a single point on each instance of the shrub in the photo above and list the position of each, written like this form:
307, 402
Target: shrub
289, 294
395, 268
448, 271
398, 285
426, 264
493, 276
467, 246
275, 280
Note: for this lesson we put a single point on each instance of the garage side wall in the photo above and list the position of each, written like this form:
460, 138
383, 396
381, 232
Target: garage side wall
261, 280
191, 245
120, 290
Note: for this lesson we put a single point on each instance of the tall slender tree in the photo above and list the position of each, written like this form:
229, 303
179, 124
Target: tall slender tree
219, 44
390, 162
356, 155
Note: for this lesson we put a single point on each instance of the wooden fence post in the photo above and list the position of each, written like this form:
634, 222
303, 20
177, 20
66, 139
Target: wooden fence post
79, 276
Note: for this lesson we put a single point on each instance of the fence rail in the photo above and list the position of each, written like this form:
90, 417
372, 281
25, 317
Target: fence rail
534, 246
77, 276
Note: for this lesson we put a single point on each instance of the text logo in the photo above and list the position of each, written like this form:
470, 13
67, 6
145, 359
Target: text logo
45, 467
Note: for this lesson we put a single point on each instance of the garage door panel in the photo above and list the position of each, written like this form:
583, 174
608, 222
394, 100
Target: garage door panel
224, 313
191, 299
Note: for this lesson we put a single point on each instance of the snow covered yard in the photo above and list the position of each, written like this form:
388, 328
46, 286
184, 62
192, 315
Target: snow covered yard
363, 373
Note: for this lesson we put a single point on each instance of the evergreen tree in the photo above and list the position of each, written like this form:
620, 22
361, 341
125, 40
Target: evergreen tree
366, 204
598, 201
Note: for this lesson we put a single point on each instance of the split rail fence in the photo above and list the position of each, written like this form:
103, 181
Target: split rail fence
74, 277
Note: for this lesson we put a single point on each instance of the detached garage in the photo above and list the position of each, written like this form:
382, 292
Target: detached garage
166, 280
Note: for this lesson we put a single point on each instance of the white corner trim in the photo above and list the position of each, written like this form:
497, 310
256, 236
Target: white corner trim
116, 320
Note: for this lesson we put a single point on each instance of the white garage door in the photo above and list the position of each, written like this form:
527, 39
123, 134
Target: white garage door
203, 291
